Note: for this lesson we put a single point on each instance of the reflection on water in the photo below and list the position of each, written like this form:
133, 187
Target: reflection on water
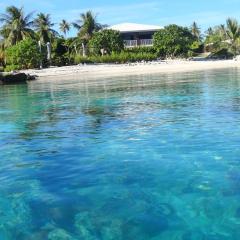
141, 157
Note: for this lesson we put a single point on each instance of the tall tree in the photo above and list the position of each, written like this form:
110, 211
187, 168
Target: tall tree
173, 41
64, 27
233, 33
209, 31
107, 40
195, 30
44, 28
222, 31
216, 38
86, 26
16, 25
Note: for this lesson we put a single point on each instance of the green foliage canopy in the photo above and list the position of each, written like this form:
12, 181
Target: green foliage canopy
16, 25
44, 28
224, 37
195, 30
23, 55
59, 52
109, 40
64, 27
87, 25
173, 41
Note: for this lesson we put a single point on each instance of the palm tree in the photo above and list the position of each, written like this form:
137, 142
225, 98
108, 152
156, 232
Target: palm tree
86, 26
209, 31
64, 27
233, 33
43, 27
16, 25
195, 31
221, 30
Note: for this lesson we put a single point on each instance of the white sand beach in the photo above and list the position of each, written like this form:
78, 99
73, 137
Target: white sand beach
104, 70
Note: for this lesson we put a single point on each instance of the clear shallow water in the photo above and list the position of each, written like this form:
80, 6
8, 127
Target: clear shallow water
124, 158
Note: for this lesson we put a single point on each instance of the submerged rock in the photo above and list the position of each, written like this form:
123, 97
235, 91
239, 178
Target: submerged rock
85, 227
60, 234
147, 226
15, 220
13, 78
112, 230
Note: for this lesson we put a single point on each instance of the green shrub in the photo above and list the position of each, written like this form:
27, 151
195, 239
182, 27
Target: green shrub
23, 55
109, 40
12, 67
141, 50
59, 52
173, 41
123, 57
79, 59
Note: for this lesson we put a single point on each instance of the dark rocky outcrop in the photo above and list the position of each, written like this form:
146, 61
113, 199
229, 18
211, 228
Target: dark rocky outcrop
13, 78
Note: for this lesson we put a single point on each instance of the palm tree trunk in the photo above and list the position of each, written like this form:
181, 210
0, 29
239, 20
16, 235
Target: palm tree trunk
84, 50
75, 48
49, 53
40, 50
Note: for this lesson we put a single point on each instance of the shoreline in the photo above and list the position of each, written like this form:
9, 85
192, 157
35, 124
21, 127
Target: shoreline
108, 70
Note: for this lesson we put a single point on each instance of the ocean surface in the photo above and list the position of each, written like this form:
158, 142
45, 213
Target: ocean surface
154, 157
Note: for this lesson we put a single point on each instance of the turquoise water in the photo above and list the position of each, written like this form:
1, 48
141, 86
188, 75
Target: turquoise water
139, 157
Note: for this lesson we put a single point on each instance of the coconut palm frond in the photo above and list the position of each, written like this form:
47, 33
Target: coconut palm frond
16, 26
43, 26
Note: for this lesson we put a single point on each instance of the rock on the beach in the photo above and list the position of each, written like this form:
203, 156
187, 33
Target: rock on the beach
10, 78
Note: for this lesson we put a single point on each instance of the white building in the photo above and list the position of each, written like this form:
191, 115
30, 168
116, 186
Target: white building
135, 35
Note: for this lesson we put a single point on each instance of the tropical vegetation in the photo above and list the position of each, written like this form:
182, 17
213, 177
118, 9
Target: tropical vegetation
173, 41
31, 40
121, 57
225, 36
106, 41
44, 28
64, 27
196, 31
16, 25
24, 55
86, 25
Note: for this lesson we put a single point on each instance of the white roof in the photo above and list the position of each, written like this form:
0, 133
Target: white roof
134, 27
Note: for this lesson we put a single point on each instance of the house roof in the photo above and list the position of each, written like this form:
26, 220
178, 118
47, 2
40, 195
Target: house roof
134, 27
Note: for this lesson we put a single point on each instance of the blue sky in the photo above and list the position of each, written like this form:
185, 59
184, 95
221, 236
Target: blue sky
159, 12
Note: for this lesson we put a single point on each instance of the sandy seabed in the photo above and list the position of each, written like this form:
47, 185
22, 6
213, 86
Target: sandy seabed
108, 70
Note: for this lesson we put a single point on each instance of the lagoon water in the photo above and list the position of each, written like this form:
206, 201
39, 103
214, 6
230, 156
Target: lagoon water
153, 157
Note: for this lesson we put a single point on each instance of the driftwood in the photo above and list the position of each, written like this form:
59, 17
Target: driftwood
13, 78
